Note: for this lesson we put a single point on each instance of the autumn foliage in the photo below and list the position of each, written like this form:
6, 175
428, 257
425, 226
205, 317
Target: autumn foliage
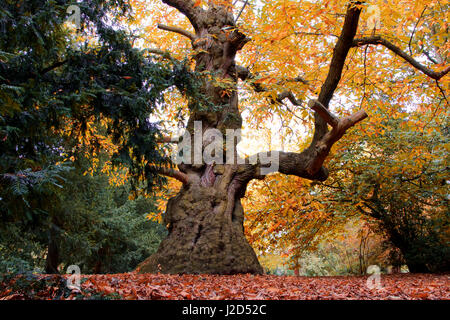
132, 286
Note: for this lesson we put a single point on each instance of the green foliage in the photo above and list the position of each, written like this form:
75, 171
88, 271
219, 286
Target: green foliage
22, 248
94, 229
102, 236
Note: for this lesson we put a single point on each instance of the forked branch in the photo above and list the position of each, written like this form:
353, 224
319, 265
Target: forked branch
309, 163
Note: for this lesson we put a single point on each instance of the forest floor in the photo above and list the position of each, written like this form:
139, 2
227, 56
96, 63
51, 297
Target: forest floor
133, 286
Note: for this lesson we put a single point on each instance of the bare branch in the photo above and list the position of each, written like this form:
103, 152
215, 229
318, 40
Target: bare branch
178, 30
376, 40
167, 139
157, 51
323, 147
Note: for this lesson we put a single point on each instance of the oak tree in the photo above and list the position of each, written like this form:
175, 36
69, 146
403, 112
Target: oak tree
205, 219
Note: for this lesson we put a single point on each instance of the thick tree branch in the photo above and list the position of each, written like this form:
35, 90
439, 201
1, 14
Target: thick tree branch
188, 8
178, 30
324, 113
321, 143
180, 176
340, 52
323, 146
376, 40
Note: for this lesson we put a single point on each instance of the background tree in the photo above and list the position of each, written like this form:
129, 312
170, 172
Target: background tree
103, 230
98, 228
399, 178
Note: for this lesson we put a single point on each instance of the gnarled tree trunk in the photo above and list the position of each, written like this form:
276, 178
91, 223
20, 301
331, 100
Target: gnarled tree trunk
206, 234
205, 220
